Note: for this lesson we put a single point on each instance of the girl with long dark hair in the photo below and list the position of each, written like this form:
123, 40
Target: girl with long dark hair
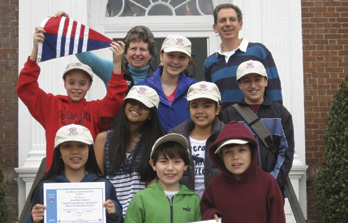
123, 152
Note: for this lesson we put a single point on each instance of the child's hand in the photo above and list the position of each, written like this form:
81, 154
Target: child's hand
61, 13
217, 218
37, 37
110, 207
118, 49
38, 213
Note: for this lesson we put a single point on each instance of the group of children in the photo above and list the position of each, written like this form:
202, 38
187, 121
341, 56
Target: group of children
202, 169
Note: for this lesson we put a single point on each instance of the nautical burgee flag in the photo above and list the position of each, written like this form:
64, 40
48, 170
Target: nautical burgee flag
65, 37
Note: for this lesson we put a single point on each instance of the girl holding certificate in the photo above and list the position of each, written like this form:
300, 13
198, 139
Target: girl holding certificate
74, 161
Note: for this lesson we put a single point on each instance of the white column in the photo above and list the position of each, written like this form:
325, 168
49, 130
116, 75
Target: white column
31, 135
297, 176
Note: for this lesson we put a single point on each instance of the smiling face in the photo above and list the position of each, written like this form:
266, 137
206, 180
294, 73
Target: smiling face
136, 112
77, 83
169, 171
138, 54
237, 158
203, 112
253, 87
174, 63
74, 155
227, 25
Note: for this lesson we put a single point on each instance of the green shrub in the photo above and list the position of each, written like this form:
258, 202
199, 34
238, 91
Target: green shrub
332, 179
3, 209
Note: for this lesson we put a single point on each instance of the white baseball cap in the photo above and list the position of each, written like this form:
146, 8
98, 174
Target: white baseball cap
73, 132
204, 89
144, 94
170, 137
79, 66
176, 43
231, 141
251, 67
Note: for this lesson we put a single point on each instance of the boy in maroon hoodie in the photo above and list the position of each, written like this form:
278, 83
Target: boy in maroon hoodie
242, 192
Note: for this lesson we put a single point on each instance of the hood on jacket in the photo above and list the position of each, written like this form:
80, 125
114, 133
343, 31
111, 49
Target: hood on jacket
235, 130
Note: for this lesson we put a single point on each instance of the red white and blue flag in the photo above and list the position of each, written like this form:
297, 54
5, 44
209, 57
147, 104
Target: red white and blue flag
65, 37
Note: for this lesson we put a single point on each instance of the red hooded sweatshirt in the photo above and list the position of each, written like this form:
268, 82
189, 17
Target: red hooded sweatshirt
255, 197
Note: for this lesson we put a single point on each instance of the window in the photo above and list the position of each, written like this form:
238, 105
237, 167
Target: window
124, 8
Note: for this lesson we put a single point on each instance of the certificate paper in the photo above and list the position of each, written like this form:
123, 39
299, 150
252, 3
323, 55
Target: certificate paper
74, 202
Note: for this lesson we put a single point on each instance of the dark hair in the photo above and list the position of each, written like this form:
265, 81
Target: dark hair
171, 149
141, 33
57, 166
225, 6
120, 138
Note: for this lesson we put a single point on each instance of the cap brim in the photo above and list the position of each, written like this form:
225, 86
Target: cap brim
197, 96
253, 72
144, 101
231, 141
173, 49
86, 141
170, 137
76, 68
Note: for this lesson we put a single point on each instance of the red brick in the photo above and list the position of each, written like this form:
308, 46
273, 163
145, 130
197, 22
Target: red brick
317, 21
307, 4
331, 3
8, 102
325, 64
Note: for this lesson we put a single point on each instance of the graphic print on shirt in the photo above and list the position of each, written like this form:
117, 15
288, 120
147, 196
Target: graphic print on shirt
198, 156
69, 116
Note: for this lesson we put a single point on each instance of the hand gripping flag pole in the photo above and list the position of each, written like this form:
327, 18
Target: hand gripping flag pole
65, 37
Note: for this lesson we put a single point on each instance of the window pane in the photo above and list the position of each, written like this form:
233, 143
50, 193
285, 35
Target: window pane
125, 8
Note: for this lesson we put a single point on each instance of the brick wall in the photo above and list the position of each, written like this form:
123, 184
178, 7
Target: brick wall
8, 101
325, 55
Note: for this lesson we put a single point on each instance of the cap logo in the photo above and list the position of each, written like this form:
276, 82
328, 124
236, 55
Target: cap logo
141, 90
179, 42
78, 64
250, 65
203, 87
72, 131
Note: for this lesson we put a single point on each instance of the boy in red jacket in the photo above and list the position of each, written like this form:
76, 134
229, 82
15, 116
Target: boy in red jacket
55, 111
242, 192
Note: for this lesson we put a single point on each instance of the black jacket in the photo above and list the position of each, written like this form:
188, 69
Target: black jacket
211, 170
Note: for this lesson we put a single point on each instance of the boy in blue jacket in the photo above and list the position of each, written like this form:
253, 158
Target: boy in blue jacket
252, 80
